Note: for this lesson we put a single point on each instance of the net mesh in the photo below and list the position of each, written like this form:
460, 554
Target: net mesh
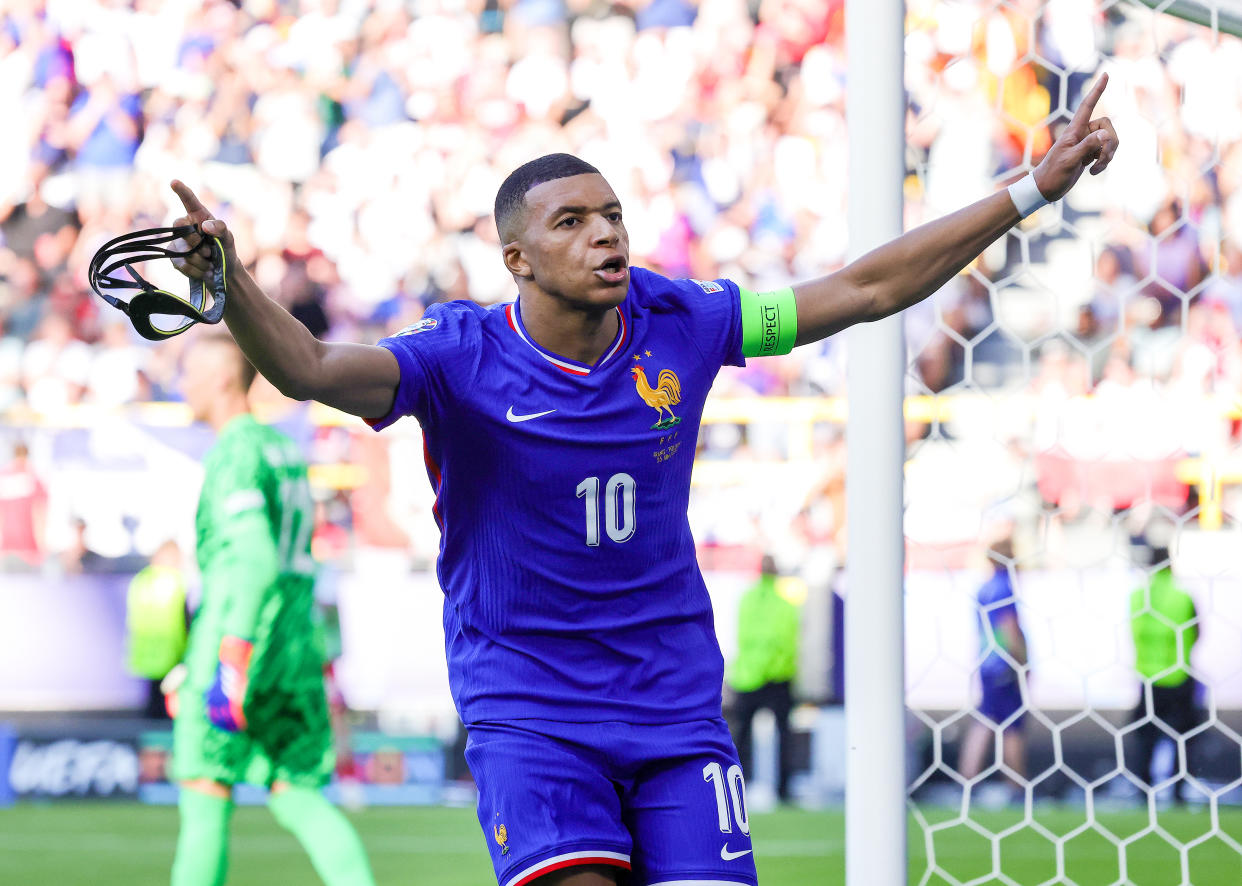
1074, 705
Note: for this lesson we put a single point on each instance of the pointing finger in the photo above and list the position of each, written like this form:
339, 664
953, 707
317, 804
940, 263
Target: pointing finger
1085, 107
190, 201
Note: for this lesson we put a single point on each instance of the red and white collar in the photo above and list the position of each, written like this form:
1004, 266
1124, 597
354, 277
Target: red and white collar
573, 367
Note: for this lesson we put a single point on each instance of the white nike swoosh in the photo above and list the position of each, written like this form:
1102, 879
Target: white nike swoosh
726, 855
513, 416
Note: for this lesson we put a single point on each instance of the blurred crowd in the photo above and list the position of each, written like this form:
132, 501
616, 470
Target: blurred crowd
1156, 285
355, 147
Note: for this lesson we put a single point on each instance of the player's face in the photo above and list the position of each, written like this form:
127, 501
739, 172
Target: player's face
575, 243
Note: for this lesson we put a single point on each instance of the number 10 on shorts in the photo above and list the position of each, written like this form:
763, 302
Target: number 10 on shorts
713, 773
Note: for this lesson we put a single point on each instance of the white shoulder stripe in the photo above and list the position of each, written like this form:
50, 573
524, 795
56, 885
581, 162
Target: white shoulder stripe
243, 500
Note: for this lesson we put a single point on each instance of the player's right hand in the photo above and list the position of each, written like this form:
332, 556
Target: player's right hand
226, 695
197, 263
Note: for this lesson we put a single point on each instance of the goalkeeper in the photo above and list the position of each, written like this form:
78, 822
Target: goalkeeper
251, 706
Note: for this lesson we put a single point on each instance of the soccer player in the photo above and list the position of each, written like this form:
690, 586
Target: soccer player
1002, 648
559, 436
252, 705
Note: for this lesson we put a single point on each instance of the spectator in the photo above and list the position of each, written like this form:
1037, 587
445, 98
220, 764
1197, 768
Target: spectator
763, 672
55, 366
105, 130
1165, 627
1227, 287
1002, 651
116, 370
1114, 287
24, 300
1170, 260
80, 557
23, 511
11, 348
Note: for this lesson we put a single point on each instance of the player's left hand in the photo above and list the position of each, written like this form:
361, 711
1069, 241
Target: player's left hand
171, 686
1083, 143
226, 695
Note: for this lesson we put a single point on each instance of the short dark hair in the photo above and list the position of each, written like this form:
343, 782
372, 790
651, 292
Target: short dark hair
511, 198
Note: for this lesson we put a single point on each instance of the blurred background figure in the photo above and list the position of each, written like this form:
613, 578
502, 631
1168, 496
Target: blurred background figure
1165, 627
23, 503
155, 623
1002, 649
252, 707
81, 555
762, 673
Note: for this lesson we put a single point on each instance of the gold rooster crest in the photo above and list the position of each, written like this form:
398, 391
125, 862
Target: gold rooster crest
502, 838
666, 393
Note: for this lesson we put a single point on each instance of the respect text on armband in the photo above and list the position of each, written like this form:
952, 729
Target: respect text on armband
771, 329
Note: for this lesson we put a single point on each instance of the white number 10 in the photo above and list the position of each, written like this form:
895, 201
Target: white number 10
618, 507
737, 793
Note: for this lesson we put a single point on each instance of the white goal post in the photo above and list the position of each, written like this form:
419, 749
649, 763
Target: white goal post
875, 791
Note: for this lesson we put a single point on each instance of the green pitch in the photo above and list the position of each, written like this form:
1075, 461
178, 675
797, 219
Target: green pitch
111, 845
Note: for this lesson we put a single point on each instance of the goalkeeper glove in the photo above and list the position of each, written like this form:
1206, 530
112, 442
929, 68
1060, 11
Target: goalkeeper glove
170, 685
227, 693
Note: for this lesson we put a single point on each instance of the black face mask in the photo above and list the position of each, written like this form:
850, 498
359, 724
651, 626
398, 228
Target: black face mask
131, 249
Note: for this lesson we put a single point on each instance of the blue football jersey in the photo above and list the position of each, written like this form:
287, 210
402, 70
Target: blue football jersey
572, 590
996, 603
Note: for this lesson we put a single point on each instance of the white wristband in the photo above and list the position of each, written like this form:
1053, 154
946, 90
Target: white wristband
1026, 196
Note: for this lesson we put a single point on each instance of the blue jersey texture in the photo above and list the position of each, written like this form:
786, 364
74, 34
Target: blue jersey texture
996, 603
572, 590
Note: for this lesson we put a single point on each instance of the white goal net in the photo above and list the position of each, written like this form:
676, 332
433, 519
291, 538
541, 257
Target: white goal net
1076, 411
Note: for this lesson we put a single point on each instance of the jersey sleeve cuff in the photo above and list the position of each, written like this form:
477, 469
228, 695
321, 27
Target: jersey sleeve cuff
395, 412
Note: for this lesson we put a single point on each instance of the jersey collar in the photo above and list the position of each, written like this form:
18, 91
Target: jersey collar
514, 316
236, 423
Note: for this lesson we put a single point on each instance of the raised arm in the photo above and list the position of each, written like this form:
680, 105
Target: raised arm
908, 269
358, 379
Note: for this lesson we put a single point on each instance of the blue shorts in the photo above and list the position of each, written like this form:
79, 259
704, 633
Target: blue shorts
1001, 701
666, 802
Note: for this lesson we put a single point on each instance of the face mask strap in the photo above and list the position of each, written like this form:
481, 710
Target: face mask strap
140, 246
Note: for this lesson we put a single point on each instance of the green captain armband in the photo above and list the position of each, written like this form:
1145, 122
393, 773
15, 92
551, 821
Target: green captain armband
769, 322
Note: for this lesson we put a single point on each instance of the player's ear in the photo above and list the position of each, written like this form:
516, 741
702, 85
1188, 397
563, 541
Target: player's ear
515, 260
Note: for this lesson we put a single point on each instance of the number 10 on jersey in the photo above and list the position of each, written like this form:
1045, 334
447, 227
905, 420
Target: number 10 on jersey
618, 508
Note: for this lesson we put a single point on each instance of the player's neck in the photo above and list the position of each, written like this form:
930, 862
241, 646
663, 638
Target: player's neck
577, 333
225, 410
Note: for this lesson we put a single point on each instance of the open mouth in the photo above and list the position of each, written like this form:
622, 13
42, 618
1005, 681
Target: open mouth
612, 271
